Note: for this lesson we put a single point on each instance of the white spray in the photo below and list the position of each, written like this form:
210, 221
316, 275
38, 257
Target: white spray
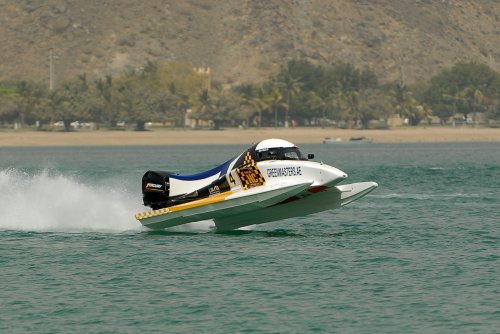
57, 203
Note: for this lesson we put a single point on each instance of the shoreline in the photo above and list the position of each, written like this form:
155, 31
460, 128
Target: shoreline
29, 138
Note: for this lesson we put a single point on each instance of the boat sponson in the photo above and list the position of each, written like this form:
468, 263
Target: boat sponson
224, 204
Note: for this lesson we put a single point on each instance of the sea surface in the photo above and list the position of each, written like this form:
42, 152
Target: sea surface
420, 254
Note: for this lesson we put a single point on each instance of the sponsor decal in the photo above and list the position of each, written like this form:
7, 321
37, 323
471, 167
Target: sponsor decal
214, 190
284, 171
153, 186
250, 176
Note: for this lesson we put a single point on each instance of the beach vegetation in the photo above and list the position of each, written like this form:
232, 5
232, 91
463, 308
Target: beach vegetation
465, 89
303, 93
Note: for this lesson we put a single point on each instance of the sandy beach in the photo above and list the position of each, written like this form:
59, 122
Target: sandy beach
242, 136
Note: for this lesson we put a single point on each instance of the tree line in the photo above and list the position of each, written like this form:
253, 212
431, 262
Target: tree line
301, 93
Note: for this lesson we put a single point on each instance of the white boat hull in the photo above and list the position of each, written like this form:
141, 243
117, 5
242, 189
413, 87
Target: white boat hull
258, 206
305, 204
242, 202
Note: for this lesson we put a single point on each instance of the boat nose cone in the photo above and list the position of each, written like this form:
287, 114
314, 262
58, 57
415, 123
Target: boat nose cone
332, 175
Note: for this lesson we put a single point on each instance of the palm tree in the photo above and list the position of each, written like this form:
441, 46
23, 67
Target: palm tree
8, 108
230, 107
350, 105
139, 102
290, 87
464, 99
371, 105
405, 103
275, 102
315, 102
253, 100
260, 103
493, 112
25, 101
205, 106
181, 103
335, 101
76, 102
478, 101
427, 113
105, 91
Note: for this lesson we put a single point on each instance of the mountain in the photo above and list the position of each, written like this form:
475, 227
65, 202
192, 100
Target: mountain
245, 40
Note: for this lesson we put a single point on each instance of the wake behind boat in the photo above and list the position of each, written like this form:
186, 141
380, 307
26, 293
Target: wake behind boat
270, 181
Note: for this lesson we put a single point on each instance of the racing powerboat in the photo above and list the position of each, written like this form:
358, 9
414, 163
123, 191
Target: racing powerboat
270, 181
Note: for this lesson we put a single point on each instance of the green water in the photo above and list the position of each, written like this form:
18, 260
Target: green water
420, 254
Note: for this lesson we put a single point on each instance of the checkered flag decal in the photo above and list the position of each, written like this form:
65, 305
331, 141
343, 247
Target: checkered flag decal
249, 174
248, 160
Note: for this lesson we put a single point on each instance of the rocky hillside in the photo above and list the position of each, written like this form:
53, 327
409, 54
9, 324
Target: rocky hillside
245, 40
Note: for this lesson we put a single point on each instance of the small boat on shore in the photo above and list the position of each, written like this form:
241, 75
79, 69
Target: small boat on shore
352, 140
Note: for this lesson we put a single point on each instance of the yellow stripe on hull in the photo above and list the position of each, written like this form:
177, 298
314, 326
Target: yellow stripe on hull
204, 201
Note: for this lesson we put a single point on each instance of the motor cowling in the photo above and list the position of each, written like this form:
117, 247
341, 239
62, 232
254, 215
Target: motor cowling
156, 189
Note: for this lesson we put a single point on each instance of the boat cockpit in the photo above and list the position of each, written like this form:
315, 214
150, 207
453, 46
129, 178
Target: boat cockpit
280, 153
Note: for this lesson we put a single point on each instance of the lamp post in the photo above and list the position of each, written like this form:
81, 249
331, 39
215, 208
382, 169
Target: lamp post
51, 83
51, 69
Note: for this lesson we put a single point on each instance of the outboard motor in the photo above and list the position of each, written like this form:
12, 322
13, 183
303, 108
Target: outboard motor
156, 189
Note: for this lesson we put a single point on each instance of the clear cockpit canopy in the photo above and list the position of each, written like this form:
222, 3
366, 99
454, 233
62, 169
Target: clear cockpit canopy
280, 153
277, 149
